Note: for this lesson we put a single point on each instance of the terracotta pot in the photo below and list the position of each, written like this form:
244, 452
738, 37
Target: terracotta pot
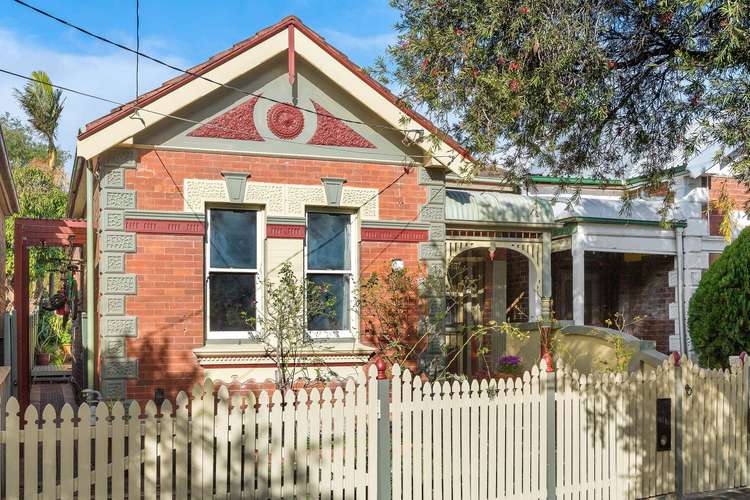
42, 358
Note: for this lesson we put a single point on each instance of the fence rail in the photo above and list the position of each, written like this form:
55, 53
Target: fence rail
542, 435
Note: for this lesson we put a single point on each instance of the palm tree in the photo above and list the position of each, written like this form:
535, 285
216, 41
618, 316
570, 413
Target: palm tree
43, 105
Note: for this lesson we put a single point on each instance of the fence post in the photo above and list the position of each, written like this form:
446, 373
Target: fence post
679, 431
383, 433
549, 392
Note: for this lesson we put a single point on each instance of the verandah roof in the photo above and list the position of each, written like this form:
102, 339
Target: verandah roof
497, 208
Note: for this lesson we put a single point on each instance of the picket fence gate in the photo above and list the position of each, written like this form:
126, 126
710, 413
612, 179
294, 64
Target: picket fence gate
543, 435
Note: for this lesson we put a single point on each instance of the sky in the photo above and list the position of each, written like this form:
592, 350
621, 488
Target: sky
182, 32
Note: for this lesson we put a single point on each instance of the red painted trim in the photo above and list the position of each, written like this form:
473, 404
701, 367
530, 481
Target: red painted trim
29, 233
396, 235
241, 47
149, 226
290, 57
285, 231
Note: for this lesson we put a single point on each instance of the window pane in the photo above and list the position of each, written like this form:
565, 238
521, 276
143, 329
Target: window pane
337, 287
231, 295
233, 239
328, 241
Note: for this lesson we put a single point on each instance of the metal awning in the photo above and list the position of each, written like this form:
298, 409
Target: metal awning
493, 207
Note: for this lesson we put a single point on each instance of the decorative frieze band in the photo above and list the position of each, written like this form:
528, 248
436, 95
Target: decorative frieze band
395, 235
285, 231
151, 226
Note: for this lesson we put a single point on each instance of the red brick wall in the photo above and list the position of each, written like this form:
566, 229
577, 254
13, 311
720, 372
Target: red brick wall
169, 307
159, 191
736, 191
169, 268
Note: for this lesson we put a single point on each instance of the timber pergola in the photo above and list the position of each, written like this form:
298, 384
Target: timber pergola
31, 233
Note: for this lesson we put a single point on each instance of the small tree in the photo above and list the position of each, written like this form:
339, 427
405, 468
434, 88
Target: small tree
390, 306
719, 315
281, 327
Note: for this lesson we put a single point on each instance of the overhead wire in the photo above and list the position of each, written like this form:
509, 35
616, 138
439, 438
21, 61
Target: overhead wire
208, 123
198, 75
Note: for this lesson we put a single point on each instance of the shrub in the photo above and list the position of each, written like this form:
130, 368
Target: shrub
719, 314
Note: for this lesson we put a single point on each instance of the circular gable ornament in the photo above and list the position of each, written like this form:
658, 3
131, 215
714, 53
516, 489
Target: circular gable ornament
285, 121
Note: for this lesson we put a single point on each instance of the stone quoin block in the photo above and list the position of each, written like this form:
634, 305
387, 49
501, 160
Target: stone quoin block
112, 220
112, 178
119, 158
112, 304
113, 241
431, 250
124, 284
118, 199
436, 194
114, 389
113, 347
432, 213
120, 369
437, 231
112, 263
119, 326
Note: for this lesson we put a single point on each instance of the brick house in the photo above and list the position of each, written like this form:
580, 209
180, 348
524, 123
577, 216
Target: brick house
279, 149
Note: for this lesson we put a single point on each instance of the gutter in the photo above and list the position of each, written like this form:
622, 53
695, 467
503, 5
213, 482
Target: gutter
635, 222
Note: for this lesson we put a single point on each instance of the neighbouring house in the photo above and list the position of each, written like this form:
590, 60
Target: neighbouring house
197, 192
8, 206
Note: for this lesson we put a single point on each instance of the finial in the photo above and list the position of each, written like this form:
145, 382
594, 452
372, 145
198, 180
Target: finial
381, 366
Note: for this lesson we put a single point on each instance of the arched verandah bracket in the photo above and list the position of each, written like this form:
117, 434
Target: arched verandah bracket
31, 233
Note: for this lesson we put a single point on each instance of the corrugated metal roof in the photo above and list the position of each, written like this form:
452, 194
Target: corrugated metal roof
496, 207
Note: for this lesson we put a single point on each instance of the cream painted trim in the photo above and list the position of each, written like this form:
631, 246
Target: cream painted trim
353, 159
289, 200
371, 98
125, 128
182, 96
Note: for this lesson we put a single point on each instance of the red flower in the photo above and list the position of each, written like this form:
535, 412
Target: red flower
611, 64
513, 66
514, 85
523, 10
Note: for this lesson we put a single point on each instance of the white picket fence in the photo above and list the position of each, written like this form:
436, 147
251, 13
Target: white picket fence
544, 434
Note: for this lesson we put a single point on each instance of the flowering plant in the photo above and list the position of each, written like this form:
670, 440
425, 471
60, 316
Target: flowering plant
510, 364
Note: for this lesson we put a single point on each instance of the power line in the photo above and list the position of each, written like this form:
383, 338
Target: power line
219, 127
194, 74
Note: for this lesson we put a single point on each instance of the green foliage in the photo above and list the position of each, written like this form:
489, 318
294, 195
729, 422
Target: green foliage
580, 87
39, 194
719, 315
280, 327
43, 104
389, 303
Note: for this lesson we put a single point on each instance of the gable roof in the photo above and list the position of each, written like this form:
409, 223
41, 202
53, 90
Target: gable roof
108, 131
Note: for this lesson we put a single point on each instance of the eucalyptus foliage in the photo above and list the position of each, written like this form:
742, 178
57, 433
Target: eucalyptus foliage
581, 87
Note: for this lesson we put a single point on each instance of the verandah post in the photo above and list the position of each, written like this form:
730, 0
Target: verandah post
383, 433
679, 419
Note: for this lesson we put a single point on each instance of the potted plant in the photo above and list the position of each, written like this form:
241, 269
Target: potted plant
509, 366
45, 349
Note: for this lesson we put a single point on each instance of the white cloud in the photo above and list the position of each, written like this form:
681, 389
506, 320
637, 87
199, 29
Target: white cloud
346, 42
109, 74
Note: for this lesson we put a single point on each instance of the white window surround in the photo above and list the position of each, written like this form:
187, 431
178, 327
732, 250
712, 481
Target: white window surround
258, 271
352, 273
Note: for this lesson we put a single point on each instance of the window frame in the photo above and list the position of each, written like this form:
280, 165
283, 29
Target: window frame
353, 272
260, 225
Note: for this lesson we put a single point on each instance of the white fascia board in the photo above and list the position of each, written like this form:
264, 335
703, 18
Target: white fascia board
177, 99
371, 98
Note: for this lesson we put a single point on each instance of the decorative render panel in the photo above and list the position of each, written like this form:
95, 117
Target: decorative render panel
119, 158
118, 199
118, 284
118, 242
112, 220
112, 305
119, 326
113, 347
114, 389
114, 369
112, 178
280, 200
112, 263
